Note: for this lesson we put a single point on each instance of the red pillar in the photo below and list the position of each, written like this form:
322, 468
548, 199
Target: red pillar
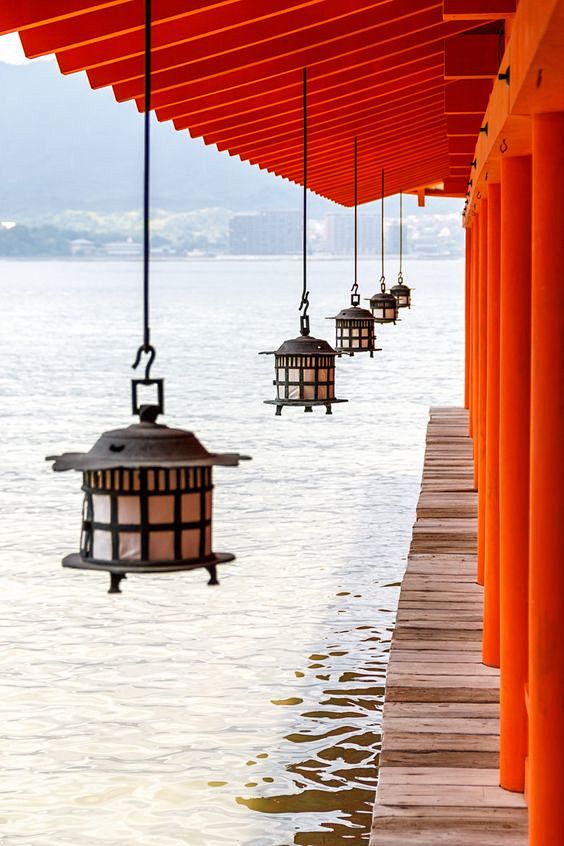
482, 380
545, 784
514, 422
490, 649
467, 327
475, 340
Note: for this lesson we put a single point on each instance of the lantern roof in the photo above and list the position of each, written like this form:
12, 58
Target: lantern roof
353, 313
382, 296
303, 345
144, 444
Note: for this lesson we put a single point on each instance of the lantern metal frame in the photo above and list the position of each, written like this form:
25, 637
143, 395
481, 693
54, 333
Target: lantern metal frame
292, 359
298, 355
146, 462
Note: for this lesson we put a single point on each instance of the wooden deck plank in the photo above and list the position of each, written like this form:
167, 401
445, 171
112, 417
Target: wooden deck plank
439, 779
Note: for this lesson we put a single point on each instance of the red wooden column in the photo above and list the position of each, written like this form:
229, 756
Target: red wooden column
475, 340
467, 318
514, 422
482, 314
545, 783
490, 648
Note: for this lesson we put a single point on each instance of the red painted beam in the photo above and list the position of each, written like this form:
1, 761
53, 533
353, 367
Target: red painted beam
478, 10
17, 15
467, 96
103, 26
279, 118
205, 108
472, 56
464, 125
252, 63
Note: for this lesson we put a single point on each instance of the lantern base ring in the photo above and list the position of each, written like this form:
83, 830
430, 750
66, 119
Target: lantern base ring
306, 404
118, 571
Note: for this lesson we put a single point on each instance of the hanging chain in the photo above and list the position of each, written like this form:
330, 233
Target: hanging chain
304, 303
400, 274
146, 347
382, 277
355, 297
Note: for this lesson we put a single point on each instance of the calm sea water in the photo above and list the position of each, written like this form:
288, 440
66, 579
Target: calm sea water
247, 714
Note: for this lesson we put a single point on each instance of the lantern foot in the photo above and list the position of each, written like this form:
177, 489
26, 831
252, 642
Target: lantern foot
278, 411
212, 570
328, 409
308, 408
115, 579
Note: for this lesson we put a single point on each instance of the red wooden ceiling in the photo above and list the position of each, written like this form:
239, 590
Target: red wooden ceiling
230, 72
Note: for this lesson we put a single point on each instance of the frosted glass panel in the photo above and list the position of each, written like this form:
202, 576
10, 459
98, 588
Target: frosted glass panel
293, 374
130, 546
102, 545
161, 509
191, 544
129, 510
322, 392
161, 546
102, 508
293, 392
309, 391
322, 375
208, 540
309, 375
190, 509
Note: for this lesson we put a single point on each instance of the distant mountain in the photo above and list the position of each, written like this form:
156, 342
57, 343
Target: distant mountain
65, 147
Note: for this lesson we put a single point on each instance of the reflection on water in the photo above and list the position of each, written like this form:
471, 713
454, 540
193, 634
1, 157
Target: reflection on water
177, 714
342, 741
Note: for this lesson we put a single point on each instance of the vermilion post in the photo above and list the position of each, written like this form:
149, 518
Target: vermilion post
514, 423
482, 314
467, 300
475, 340
545, 782
490, 650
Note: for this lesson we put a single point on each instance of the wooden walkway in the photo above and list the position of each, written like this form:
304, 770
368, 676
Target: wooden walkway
438, 781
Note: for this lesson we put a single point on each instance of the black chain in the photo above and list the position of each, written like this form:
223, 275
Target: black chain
304, 303
146, 347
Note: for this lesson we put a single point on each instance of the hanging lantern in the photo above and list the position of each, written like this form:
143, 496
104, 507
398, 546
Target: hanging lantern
147, 488
384, 305
305, 374
304, 366
400, 290
354, 326
402, 293
147, 501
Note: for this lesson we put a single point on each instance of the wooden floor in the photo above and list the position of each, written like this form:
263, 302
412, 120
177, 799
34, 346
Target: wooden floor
438, 781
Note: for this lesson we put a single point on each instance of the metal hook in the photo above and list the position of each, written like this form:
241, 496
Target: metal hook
151, 352
504, 146
383, 284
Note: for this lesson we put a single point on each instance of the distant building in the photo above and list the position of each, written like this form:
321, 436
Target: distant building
82, 247
340, 233
265, 233
123, 249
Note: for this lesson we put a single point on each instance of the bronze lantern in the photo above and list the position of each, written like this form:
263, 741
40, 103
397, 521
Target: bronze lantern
305, 374
354, 331
402, 293
147, 504
384, 306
